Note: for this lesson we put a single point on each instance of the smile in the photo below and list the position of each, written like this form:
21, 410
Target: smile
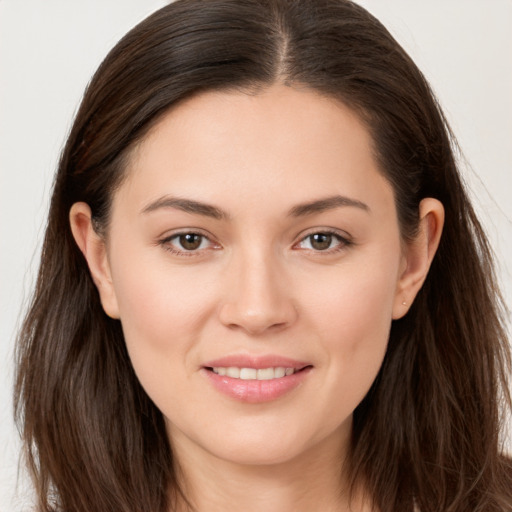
253, 373
256, 379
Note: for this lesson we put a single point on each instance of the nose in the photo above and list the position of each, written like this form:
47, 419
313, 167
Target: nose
257, 298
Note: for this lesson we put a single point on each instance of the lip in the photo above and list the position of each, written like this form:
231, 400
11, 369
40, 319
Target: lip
257, 362
256, 391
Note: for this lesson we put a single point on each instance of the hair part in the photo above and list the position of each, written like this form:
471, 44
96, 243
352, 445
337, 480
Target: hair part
428, 430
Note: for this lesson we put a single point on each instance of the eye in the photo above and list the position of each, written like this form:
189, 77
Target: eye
190, 241
323, 241
187, 243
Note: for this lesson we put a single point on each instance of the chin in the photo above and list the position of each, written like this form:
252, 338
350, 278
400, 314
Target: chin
276, 446
257, 455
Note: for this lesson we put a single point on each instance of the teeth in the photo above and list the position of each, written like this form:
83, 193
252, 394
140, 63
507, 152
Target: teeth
279, 372
266, 374
248, 373
233, 372
253, 373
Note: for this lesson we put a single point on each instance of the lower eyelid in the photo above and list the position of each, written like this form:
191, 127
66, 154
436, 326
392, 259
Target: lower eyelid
177, 240
343, 241
170, 243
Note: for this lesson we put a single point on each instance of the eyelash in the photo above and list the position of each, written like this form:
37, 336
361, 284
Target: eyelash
343, 243
166, 244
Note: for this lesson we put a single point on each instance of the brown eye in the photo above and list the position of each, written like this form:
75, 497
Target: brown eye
324, 241
190, 241
320, 241
188, 244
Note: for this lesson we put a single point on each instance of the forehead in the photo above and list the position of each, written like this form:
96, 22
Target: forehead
281, 142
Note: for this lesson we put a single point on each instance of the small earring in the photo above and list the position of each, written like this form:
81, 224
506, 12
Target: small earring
404, 303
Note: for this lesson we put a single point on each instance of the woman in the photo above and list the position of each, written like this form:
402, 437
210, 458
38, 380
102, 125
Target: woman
263, 285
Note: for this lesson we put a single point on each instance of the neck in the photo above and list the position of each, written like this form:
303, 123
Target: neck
314, 480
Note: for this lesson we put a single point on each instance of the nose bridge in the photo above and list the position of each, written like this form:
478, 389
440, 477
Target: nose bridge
256, 297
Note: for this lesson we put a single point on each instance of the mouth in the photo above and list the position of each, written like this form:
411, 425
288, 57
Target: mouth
244, 373
256, 379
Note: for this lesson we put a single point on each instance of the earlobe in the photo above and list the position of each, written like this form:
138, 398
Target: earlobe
92, 246
418, 255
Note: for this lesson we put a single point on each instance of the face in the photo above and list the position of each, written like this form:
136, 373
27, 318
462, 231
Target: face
255, 263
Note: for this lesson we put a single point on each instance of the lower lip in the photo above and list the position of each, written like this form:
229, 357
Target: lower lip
256, 391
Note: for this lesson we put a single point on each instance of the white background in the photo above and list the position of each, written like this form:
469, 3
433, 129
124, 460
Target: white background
50, 48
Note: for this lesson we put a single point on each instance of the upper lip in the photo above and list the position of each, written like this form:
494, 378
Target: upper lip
257, 362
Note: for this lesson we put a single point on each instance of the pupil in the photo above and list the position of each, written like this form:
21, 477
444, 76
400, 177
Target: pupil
321, 241
190, 241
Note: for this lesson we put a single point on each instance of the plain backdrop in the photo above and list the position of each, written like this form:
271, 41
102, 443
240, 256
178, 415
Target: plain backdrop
50, 48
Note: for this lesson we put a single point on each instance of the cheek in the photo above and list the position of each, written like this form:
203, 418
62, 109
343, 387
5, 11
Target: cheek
357, 299
352, 319
154, 296
163, 312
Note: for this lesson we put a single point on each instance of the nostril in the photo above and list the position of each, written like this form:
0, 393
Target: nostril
269, 317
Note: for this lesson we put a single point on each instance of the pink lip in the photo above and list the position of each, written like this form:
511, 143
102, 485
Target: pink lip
258, 362
256, 391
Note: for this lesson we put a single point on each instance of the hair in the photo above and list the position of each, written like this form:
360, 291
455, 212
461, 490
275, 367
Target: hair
428, 432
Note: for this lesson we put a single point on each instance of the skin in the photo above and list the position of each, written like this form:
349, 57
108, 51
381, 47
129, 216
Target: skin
258, 284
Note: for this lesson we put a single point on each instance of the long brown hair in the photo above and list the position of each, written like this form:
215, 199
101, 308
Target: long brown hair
428, 432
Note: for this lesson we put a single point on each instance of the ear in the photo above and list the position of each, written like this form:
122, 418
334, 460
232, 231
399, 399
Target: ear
418, 255
94, 249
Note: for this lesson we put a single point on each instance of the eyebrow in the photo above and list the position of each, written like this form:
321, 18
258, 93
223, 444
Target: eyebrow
208, 210
188, 206
328, 203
